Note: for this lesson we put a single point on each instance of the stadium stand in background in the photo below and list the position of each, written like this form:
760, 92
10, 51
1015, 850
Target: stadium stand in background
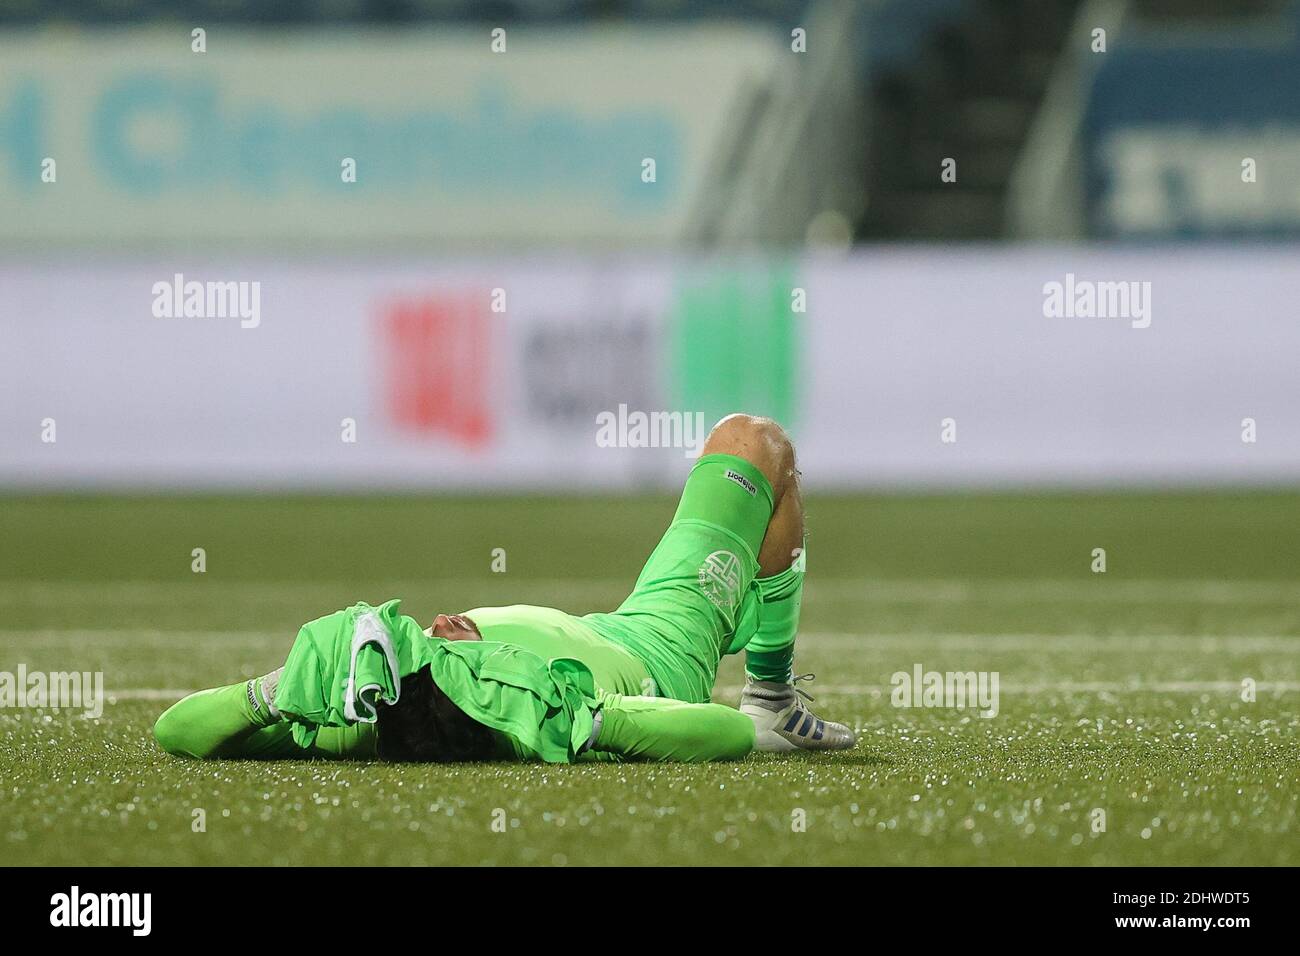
1149, 141
1052, 141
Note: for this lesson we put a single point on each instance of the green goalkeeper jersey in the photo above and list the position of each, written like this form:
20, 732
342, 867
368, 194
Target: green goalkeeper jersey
550, 633
696, 599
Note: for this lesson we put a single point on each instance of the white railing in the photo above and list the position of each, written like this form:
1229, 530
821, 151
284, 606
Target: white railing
794, 146
1046, 197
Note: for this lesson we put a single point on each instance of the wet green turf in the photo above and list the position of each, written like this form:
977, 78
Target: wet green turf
1120, 692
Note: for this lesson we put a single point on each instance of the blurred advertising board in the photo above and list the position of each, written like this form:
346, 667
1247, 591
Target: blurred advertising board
300, 139
892, 368
1196, 134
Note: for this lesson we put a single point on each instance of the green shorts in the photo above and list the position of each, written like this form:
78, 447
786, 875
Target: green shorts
696, 598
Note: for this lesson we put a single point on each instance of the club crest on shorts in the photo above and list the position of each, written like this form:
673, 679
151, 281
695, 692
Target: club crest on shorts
720, 578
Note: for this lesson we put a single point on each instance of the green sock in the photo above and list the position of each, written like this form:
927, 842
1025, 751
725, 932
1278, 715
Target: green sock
769, 655
212, 722
238, 721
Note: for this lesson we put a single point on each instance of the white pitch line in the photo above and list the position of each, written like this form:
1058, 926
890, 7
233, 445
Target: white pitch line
1085, 589
879, 690
1046, 643
1064, 687
144, 635
1039, 642
147, 693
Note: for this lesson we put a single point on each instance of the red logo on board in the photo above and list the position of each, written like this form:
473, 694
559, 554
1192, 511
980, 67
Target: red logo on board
436, 357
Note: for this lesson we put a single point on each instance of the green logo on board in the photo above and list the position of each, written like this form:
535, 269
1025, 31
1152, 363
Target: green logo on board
734, 344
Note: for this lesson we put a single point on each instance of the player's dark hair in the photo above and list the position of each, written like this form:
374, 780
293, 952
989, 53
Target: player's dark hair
426, 726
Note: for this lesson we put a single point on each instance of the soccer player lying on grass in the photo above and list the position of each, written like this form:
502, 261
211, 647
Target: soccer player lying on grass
726, 576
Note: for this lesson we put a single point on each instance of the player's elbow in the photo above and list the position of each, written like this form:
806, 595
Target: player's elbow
740, 428
760, 441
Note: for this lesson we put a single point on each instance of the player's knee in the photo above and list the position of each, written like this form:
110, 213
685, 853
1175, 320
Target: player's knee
168, 730
178, 733
758, 440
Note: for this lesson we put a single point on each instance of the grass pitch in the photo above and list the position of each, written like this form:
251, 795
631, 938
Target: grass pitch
1121, 693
